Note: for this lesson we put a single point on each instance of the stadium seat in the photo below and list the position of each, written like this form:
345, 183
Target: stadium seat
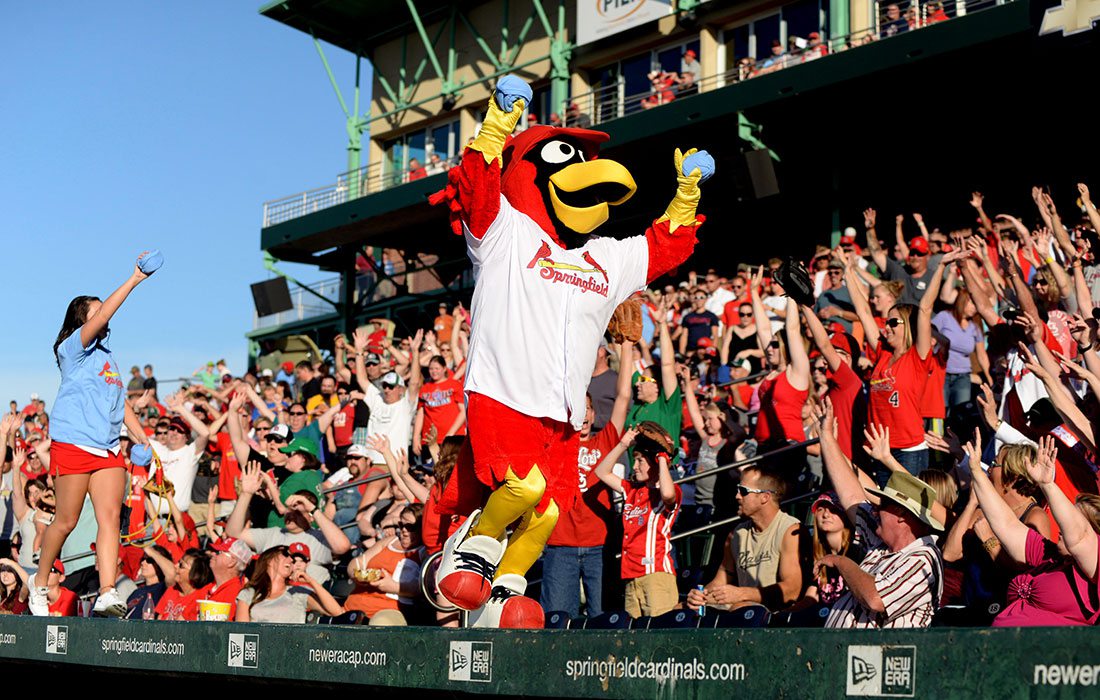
747, 617
813, 616
675, 619
351, 617
617, 620
688, 578
557, 620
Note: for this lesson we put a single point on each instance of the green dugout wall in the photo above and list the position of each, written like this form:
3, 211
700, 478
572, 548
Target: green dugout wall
803, 663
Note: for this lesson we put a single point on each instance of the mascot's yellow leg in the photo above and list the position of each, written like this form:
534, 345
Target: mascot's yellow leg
510, 502
527, 542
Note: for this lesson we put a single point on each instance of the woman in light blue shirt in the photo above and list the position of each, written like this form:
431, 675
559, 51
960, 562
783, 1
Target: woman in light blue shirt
85, 458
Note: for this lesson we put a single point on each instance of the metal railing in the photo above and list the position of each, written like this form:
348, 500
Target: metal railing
306, 305
348, 186
610, 102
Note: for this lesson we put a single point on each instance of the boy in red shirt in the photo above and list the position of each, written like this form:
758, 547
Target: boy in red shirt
63, 602
651, 504
575, 549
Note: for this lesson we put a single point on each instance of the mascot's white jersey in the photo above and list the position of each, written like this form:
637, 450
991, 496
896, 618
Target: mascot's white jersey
539, 312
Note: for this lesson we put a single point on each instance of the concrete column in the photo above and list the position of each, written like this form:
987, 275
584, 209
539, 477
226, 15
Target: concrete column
709, 56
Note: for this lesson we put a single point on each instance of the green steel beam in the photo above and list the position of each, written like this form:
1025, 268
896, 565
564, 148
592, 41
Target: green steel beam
353, 123
404, 60
840, 22
456, 87
408, 93
494, 59
522, 37
561, 51
747, 131
428, 47
331, 77
504, 29
269, 264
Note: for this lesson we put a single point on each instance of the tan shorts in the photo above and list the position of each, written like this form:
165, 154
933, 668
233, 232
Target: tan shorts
653, 594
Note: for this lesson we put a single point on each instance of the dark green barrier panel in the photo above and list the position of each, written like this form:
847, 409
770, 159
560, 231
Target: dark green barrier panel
1049, 662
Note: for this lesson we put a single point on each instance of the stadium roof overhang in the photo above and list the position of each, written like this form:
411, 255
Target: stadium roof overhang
357, 25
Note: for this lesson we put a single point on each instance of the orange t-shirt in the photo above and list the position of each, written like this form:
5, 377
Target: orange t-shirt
370, 600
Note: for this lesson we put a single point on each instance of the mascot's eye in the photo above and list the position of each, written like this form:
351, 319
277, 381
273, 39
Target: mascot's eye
557, 152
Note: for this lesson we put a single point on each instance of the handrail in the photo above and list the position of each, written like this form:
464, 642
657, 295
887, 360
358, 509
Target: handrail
736, 518
746, 462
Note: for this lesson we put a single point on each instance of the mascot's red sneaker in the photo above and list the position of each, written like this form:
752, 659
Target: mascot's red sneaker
508, 608
468, 566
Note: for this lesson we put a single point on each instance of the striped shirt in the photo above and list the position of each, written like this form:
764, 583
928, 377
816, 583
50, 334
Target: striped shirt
909, 581
646, 529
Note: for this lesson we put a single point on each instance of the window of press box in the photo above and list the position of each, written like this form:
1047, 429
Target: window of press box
805, 17
441, 138
632, 74
766, 31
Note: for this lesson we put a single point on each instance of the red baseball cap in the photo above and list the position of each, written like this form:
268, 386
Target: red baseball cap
59, 567
288, 366
918, 245
301, 549
845, 343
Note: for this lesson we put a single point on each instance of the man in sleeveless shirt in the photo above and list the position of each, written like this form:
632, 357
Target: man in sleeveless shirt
760, 566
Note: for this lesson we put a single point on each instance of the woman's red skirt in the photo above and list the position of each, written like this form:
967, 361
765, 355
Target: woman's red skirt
69, 459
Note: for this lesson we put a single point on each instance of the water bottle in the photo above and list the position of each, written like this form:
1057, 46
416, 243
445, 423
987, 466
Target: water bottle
702, 608
148, 609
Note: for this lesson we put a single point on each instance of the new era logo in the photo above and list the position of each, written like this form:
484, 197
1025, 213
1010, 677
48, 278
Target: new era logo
244, 650
57, 639
471, 661
883, 671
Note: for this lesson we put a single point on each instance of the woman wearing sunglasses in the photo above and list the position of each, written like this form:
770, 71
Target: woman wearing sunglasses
387, 576
784, 390
85, 457
898, 382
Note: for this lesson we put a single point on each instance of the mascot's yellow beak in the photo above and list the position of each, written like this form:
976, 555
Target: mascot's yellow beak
586, 190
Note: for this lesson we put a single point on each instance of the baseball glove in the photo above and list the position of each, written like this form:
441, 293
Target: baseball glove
796, 282
652, 440
626, 322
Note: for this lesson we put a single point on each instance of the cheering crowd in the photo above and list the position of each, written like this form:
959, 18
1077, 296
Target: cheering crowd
910, 416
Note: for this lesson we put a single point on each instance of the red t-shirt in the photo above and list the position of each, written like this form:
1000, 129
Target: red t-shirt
896, 392
226, 594
585, 525
230, 469
440, 401
65, 605
932, 404
646, 529
731, 312
343, 425
845, 390
780, 415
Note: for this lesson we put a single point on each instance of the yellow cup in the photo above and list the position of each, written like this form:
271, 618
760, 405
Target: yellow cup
213, 611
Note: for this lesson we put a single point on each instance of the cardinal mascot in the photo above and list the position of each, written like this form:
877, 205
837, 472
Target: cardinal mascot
545, 293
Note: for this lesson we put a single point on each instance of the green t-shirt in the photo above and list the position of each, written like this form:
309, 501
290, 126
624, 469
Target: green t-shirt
308, 480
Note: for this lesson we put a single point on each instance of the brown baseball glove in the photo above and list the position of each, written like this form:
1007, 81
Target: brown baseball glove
626, 322
652, 439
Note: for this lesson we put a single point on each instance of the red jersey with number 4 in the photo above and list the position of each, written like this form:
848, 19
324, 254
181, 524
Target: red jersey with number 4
647, 524
896, 392
585, 524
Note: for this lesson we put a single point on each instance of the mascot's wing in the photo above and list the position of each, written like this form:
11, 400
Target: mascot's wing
473, 186
671, 238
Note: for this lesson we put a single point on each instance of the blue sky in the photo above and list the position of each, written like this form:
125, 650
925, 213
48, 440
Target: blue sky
132, 125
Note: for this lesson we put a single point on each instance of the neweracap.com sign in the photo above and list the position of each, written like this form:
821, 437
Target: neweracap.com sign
597, 19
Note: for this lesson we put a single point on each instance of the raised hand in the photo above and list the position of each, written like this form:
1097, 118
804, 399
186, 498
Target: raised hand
900, 218
251, 479
878, 442
869, 216
1042, 469
974, 451
918, 218
976, 200
628, 436
360, 340
379, 442
340, 342
1083, 190
989, 407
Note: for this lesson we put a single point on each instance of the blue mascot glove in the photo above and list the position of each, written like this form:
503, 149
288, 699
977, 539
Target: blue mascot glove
150, 262
141, 455
701, 160
509, 89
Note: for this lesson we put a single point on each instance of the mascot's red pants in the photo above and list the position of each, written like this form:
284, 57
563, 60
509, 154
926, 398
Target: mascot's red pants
529, 464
